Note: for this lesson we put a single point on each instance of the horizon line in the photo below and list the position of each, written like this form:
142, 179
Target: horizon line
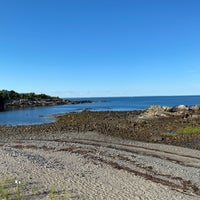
183, 95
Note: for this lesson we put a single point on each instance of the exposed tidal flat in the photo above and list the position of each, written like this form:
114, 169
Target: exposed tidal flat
141, 154
163, 124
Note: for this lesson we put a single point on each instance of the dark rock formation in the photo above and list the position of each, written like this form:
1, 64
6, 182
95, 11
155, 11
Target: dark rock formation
1, 104
25, 103
80, 102
13, 100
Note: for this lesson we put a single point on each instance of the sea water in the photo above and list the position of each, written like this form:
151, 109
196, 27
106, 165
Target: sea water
41, 115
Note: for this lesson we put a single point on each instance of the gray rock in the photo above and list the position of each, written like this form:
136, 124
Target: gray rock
168, 108
182, 108
195, 108
156, 138
195, 116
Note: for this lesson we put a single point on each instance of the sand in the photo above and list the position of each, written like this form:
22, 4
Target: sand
94, 166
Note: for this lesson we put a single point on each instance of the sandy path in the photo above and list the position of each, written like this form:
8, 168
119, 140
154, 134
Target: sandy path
93, 166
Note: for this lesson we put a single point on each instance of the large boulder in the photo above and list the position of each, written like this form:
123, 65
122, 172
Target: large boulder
169, 109
195, 108
182, 108
154, 111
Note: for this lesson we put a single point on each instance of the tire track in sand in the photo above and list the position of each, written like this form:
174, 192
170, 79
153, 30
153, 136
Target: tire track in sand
125, 157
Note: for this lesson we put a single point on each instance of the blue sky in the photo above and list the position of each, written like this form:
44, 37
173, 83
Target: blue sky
84, 48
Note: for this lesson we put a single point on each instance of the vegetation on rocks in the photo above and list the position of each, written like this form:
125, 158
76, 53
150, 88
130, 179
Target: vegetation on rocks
13, 100
12, 95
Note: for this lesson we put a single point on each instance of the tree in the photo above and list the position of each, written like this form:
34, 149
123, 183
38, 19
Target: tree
14, 95
4, 95
31, 95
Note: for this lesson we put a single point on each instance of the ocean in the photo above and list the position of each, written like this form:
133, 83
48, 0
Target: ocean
41, 115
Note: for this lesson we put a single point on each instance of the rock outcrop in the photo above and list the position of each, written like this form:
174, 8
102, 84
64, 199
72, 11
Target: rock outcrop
25, 103
157, 111
182, 108
1, 104
196, 108
13, 100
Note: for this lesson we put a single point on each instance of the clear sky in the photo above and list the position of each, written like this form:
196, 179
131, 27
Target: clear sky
84, 48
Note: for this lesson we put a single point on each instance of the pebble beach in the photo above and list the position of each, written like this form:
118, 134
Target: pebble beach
94, 166
83, 161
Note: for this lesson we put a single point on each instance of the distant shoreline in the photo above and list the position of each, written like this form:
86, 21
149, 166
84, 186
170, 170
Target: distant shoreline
24, 103
101, 97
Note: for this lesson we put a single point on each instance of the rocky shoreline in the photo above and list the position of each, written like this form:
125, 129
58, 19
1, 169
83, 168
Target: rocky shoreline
25, 103
10, 100
158, 124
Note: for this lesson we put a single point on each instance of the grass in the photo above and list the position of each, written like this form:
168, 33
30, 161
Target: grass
189, 130
3, 189
53, 194
11, 189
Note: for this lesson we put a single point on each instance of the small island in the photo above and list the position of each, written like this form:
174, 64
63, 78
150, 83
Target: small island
12, 100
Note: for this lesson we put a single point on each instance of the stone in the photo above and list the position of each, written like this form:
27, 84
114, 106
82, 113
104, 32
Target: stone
174, 109
195, 108
195, 116
167, 108
156, 138
182, 108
